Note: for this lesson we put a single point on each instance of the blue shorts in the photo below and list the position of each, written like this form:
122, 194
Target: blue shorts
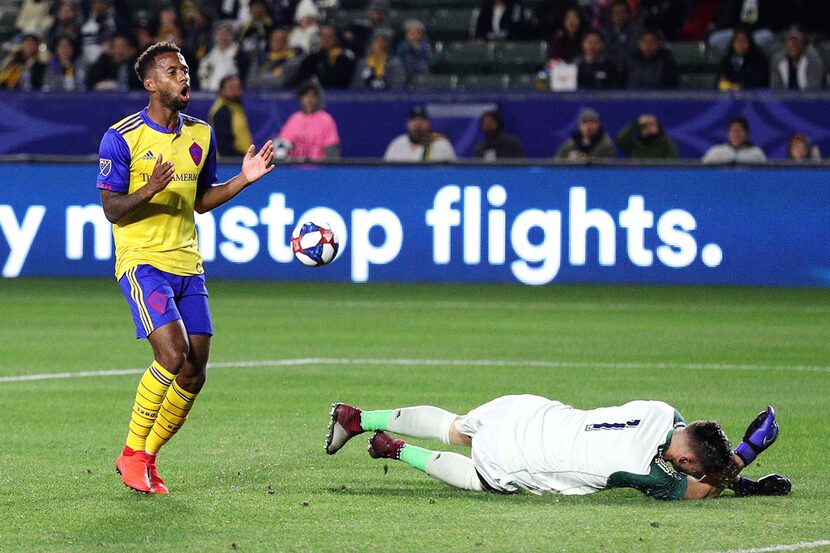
157, 298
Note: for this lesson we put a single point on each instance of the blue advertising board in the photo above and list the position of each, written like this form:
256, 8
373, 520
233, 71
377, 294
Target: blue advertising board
534, 225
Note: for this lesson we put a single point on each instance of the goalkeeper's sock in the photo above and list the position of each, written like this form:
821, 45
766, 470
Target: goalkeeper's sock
423, 421
171, 416
148, 398
444, 466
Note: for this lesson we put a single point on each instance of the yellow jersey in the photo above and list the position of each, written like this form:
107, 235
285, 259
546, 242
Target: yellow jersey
162, 232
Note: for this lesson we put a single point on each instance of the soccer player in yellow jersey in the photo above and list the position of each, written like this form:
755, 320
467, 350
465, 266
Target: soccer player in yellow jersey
156, 168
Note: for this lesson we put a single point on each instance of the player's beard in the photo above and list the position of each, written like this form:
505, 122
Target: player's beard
173, 102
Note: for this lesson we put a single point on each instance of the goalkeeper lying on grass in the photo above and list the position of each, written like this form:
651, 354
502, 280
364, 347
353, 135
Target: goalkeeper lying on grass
532, 443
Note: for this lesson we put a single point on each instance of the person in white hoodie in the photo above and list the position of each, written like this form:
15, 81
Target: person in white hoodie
224, 58
799, 67
738, 148
306, 33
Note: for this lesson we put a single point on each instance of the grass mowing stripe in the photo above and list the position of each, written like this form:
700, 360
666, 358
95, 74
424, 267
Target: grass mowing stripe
790, 547
435, 362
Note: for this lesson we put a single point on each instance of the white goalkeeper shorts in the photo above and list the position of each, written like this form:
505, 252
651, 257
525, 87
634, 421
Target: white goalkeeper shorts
486, 425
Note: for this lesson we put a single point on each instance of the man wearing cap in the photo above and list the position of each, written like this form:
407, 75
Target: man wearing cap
497, 144
738, 148
589, 141
380, 69
359, 34
331, 65
419, 143
799, 67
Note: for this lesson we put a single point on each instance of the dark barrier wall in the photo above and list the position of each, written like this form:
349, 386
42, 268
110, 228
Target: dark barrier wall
535, 225
72, 124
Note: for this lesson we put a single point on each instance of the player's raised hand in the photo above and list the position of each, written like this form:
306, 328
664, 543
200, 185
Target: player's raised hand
162, 175
255, 165
760, 434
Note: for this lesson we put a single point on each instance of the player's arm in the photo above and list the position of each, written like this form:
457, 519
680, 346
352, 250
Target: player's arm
254, 166
712, 485
118, 205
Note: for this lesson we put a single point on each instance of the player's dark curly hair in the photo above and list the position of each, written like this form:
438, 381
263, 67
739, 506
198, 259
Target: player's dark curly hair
148, 57
710, 445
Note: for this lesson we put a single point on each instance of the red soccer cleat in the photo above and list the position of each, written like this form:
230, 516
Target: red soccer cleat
344, 425
157, 485
132, 466
382, 445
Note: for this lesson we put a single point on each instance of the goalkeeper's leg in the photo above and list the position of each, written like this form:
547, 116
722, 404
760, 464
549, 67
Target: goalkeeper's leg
445, 466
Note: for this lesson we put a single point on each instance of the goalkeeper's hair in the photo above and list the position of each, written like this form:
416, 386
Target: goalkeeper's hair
148, 57
710, 446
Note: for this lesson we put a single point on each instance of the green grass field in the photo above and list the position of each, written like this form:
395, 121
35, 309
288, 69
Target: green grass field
248, 471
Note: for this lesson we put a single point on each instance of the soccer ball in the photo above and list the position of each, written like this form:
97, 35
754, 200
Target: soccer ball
314, 245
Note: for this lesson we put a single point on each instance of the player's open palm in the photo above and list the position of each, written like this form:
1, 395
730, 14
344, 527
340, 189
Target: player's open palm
255, 165
162, 175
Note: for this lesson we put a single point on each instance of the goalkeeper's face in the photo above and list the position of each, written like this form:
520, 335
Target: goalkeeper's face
172, 76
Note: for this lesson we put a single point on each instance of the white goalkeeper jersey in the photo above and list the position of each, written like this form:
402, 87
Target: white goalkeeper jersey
546, 446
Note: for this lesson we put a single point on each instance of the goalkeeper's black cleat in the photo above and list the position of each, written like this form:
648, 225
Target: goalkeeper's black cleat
771, 484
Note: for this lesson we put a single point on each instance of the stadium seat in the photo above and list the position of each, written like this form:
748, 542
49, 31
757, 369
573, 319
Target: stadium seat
435, 82
464, 57
449, 24
697, 81
526, 82
8, 17
517, 58
485, 82
691, 56
433, 4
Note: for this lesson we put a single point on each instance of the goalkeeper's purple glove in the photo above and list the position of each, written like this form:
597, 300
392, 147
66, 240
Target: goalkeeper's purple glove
771, 484
760, 434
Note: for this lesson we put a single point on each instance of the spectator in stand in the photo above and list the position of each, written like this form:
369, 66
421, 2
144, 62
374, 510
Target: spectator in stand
738, 148
799, 148
254, 34
621, 34
168, 22
22, 69
225, 58
499, 20
547, 18
594, 71
667, 16
228, 119
198, 35
144, 37
497, 144
114, 69
589, 141
332, 66
66, 24
34, 17
278, 67
645, 138
763, 18
799, 67
310, 133
379, 70
65, 72
652, 66
306, 34
358, 36
415, 52
566, 43
745, 66
419, 143
97, 30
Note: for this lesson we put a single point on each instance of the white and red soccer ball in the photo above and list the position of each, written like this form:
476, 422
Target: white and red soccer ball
314, 245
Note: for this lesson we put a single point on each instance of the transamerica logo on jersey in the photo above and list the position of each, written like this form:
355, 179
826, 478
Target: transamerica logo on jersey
105, 165
613, 425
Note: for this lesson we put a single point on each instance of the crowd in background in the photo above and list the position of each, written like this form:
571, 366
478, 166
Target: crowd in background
230, 45
273, 44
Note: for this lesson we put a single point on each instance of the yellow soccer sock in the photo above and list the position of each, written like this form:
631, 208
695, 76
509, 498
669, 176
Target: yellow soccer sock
151, 390
171, 417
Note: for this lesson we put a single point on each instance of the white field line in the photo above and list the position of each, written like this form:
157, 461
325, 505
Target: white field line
529, 305
438, 362
790, 547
